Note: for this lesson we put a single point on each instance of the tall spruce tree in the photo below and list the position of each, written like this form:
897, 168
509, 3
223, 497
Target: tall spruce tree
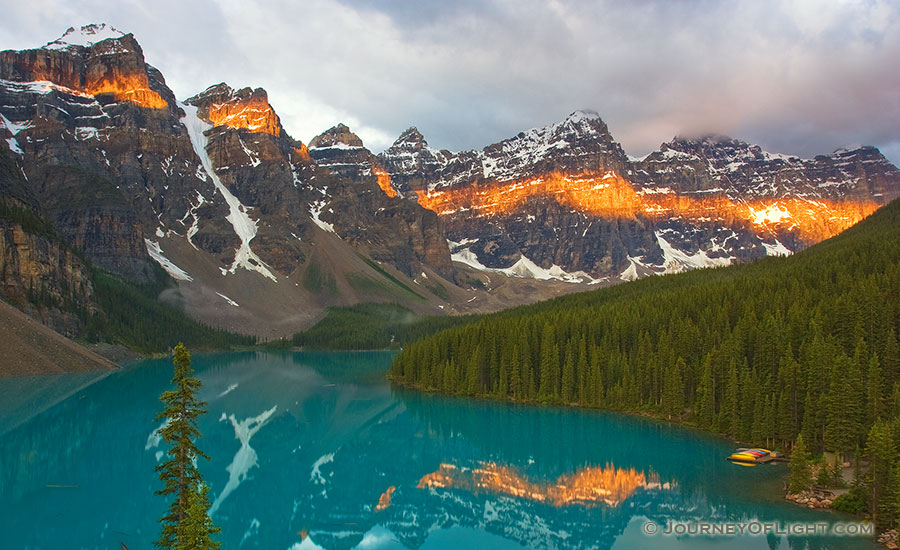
801, 471
186, 525
891, 505
882, 454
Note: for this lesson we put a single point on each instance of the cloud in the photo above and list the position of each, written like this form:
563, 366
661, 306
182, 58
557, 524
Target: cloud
799, 77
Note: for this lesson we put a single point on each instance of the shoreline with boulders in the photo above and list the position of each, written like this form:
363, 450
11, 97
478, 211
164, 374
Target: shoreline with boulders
812, 498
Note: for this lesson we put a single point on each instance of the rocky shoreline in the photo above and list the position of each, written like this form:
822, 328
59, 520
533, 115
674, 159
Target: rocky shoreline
813, 498
890, 539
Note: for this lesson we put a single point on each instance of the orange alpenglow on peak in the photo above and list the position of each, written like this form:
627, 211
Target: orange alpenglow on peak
303, 153
384, 181
589, 486
132, 88
608, 195
248, 113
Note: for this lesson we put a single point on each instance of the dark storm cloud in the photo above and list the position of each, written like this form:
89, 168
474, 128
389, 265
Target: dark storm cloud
797, 77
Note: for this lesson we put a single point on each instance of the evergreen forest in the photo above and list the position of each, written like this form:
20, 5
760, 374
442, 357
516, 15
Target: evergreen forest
760, 352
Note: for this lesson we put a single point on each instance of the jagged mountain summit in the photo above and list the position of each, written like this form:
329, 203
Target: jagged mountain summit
565, 201
261, 232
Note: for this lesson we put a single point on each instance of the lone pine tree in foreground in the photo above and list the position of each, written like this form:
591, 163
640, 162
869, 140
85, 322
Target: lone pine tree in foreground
186, 525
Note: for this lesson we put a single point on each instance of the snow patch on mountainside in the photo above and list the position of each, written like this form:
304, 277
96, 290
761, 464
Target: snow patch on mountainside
631, 272
776, 249
195, 227
315, 210
676, 261
157, 254
254, 158
244, 225
523, 268
14, 146
337, 145
229, 300
14, 128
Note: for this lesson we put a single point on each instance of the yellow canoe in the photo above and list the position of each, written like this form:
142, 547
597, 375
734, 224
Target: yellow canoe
750, 455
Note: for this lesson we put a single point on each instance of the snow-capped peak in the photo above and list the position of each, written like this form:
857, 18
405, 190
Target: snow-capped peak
336, 137
411, 136
85, 36
582, 115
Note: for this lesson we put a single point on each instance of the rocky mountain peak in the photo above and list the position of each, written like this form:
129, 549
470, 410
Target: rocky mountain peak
584, 121
411, 137
579, 143
246, 108
717, 147
336, 136
95, 60
85, 36
216, 92
409, 161
709, 140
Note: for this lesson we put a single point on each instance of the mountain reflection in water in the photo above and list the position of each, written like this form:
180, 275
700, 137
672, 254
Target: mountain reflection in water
590, 485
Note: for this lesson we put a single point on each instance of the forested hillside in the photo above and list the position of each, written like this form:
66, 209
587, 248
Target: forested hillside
372, 326
761, 352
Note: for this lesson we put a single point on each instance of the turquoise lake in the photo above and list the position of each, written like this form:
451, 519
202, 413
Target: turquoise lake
317, 450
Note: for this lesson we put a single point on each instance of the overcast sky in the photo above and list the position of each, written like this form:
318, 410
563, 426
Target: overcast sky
799, 77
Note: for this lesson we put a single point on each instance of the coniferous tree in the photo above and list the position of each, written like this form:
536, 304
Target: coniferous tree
801, 471
874, 398
890, 359
515, 374
549, 365
842, 430
568, 376
195, 533
186, 523
472, 367
729, 420
706, 392
808, 428
891, 507
882, 454
673, 390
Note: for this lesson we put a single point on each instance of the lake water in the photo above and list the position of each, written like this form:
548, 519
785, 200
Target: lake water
317, 450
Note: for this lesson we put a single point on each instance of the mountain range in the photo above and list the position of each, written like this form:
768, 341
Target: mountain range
104, 168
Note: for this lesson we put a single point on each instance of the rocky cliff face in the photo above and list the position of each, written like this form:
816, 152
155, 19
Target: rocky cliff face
96, 132
263, 175
389, 228
38, 271
565, 201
